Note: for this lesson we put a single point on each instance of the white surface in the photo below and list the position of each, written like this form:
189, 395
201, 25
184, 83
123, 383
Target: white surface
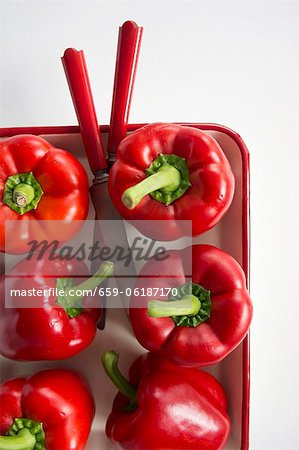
234, 63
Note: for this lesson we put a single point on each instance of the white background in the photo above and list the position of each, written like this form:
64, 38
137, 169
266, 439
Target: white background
231, 62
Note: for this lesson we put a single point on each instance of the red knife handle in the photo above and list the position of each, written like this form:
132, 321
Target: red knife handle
77, 76
129, 40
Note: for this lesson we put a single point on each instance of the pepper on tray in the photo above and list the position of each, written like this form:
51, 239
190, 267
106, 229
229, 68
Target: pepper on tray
205, 319
39, 182
169, 172
57, 324
166, 406
51, 410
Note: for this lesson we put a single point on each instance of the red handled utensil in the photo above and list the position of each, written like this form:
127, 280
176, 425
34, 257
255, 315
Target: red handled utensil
129, 40
76, 72
75, 69
77, 76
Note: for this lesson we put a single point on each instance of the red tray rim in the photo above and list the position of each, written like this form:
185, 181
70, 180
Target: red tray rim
70, 129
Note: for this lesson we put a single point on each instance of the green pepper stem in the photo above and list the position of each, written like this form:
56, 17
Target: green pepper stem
167, 179
24, 440
189, 305
72, 295
110, 363
23, 194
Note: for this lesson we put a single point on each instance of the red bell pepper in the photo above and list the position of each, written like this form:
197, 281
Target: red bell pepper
205, 319
56, 325
38, 181
51, 410
171, 173
166, 406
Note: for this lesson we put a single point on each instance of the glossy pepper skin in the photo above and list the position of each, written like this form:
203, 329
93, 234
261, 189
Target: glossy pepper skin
60, 400
49, 328
202, 192
175, 408
199, 337
39, 182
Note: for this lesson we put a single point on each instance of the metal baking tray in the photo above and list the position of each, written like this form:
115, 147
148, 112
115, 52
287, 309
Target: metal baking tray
230, 234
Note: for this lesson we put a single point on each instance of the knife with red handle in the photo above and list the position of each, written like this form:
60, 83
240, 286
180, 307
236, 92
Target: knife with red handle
128, 47
78, 80
75, 69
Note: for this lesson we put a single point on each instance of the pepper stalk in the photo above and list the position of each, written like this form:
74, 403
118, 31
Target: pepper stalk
190, 307
72, 297
167, 180
22, 192
110, 363
24, 434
